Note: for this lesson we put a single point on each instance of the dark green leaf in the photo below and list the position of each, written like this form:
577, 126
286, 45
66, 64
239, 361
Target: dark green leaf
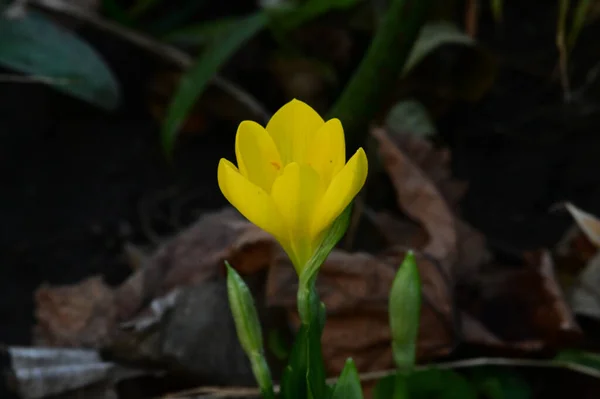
348, 385
404, 312
203, 34
247, 325
587, 359
442, 384
35, 45
277, 344
425, 384
392, 387
305, 372
208, 64
496, 383
290, 18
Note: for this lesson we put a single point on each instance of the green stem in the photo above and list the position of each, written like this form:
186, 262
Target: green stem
261, 372
308, 301
380, 67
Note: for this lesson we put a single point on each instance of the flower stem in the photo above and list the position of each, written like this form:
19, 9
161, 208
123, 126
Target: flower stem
261, 372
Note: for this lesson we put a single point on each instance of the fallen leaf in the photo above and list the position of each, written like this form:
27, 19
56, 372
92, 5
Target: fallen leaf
426, 192
80, 315
355, 289
522, 306
88, 313
585, 296
587, 222
41, 372
420, 199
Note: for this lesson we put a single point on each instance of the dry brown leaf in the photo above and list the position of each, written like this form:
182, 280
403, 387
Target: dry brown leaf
420, 199
521, 306
81, 315
88, 313
355, 288
588, 223
426, 192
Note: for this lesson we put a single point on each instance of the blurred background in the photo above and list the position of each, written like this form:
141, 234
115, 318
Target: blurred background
115, 113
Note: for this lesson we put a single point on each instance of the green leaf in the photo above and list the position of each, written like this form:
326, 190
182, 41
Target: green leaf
37, 46
496, 383
348, 385
587, 359
467, 75
441, 384
203, 34
497, 6
305, 372
410, 116
378, 71
392, 387
288, 18
197, 78
277, 345
425, 384
404, 312
248, 329
579, 18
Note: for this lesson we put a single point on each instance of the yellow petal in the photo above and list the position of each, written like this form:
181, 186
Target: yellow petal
328, 150
293, 127
342, 190
296, 193
250, 200
257, 155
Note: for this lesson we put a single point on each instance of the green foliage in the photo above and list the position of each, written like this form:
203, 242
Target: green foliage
424, 384
291, 17
404, 312
378, 70
583, 358
578, 22
248, 329
348, 385
497, 383
205, 33
305, 371
206, 66
37, 46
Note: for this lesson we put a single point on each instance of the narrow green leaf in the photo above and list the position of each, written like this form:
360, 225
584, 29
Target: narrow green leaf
204, 33
405, 310
379, 68
439, 384
292, 17
384, 389
208, 64
587, 359
348, 385
248, 329
497, 6
579, 19
305, 373
499, 383
37, 46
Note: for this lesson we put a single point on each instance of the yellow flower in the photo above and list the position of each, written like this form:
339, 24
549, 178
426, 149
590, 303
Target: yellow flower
292, 178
